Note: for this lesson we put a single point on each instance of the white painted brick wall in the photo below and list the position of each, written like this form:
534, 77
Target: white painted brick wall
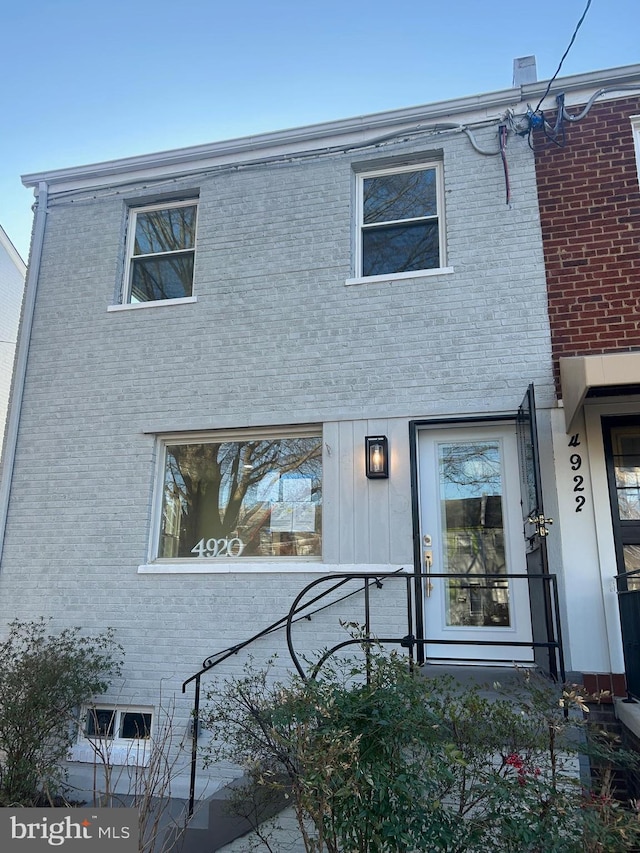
275, 337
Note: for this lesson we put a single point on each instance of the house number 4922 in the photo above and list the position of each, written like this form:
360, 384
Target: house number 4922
575, 460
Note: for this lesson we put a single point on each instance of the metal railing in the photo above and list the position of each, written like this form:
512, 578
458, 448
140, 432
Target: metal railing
551, 643
629, 604
300, 609
300, 613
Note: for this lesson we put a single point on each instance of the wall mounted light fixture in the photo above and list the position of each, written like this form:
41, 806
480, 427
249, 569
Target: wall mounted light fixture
376, 457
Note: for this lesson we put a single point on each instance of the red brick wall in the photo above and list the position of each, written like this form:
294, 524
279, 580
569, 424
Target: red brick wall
590, 214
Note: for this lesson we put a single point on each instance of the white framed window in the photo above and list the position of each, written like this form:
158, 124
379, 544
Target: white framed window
119, 735
236, 494
635, 127
160, 251
119, 724
400, 222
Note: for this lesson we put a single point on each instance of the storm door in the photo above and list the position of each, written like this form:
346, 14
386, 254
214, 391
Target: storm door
471, 530
622, 453
536, 529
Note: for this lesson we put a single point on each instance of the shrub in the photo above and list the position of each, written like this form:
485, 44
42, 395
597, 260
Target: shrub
375, 757
44, 678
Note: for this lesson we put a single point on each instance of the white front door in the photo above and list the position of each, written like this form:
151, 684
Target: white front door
471, 527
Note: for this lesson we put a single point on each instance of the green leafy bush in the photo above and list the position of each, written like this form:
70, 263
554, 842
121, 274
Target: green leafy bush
44, 678
375, 757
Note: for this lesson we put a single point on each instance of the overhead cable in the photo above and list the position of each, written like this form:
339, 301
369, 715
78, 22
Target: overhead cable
564, 55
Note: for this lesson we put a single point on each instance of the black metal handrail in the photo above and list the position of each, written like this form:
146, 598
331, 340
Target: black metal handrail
409, 641
292, 617
626, 575
553, 642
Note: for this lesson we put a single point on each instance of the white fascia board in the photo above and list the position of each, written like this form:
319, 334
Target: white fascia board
609, 78
352, 131
580, 87
344, 132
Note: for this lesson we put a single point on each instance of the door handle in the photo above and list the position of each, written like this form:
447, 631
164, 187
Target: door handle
428, 561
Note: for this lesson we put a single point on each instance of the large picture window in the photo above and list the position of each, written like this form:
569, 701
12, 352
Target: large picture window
400, 221
242, 495
160, 252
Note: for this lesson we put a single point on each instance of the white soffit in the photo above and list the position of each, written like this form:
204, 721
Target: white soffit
579, 374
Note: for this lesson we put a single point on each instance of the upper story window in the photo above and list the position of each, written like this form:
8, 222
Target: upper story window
160, 252
241, 494
400, 221
635, 126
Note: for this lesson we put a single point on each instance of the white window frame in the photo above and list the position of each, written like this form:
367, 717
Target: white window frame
200, 565
434, 166
635, 127
129, 256
96, 749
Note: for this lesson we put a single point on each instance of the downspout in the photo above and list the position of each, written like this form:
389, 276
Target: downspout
20, 373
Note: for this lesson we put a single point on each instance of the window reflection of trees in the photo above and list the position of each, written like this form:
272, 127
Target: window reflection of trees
400, 231
163, 254
224, 490
400, 248
405, 195
471, 468
474, 543
628, 488
165, 230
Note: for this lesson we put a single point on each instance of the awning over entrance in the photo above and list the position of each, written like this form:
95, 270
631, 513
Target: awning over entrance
585, 375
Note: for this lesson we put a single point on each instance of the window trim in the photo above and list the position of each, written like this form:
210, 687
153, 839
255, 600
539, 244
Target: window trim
132, 219
200, 565
435, 166
635, 128
156, 303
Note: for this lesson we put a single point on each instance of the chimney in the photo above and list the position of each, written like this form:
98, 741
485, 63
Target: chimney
524, 70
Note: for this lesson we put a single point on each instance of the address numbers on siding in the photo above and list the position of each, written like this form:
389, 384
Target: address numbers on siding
575, 461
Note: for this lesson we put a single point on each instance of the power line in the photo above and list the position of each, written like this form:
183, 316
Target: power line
564, 55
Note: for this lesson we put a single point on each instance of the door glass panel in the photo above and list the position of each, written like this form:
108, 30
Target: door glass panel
471, 512
626, 462
632, 564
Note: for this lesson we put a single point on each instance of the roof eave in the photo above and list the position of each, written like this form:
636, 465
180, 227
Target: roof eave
344, 131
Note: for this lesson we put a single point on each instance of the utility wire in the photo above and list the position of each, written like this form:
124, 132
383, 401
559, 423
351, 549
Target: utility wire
564, 55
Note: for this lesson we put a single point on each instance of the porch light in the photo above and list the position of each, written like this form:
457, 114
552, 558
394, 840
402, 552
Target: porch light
376, 457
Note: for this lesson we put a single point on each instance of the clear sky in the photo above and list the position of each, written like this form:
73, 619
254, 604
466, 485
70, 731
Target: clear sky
83, 81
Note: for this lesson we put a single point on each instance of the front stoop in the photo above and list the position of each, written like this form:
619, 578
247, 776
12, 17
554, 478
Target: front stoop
628, 714
217, 822
488, 680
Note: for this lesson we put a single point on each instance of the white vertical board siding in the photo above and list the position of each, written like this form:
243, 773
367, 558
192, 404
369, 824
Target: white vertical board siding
330, 493
399, 518
366, 521
350, 512
377, 503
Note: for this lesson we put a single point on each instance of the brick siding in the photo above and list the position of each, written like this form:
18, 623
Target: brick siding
590, 214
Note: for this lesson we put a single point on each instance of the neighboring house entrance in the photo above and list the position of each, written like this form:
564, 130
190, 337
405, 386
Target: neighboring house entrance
622, 456
471, 528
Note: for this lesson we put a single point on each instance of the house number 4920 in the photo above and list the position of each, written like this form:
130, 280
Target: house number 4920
575, 460
219, 547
